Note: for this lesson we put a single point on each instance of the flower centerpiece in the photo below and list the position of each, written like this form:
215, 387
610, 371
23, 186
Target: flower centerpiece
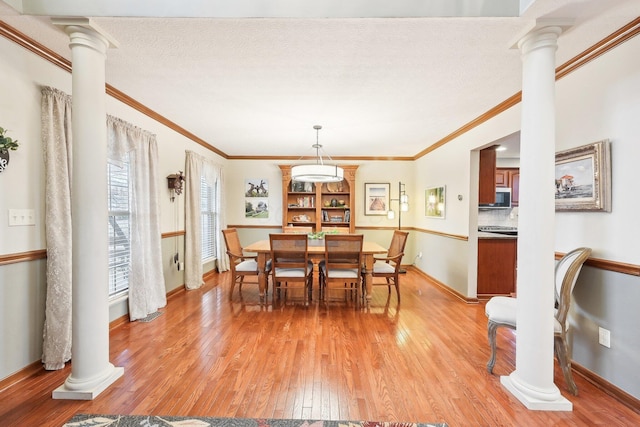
6, 143
316, 239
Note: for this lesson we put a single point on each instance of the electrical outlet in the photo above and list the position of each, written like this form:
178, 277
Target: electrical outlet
604, 337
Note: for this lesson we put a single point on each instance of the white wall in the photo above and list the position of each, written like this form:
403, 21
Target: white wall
598, 101
392, 172
602, 101
455, 166
595, 102
20, 114
23, 285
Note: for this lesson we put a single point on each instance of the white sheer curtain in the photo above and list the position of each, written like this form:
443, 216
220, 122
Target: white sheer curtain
198, 167
57, 143
147, 291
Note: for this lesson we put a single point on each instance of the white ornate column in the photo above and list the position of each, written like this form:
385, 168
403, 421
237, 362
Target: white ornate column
532, 381
91, 371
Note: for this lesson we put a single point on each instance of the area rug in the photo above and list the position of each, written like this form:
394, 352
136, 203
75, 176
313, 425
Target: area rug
88, 420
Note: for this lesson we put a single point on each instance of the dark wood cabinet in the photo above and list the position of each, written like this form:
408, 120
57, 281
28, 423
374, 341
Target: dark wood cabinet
509, 178
490, 177
502, 178
497, 266
487, 176
515, 187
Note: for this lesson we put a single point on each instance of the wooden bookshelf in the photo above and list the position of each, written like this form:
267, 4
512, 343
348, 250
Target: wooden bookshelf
321, 205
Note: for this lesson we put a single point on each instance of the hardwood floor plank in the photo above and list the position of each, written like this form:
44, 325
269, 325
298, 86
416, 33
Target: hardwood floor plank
423, 361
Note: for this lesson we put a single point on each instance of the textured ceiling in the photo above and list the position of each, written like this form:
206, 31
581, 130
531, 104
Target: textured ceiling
378, 86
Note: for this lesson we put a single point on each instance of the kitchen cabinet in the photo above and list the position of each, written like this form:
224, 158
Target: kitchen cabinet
502, 177
319, 205
497, 259
510, 178
487, 176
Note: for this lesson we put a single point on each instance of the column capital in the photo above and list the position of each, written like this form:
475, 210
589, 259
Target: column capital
546, 28
87, 27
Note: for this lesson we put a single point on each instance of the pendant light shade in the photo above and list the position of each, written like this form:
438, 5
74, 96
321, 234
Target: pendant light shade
318, 172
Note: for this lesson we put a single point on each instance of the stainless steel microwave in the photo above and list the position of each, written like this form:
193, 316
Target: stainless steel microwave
503, 199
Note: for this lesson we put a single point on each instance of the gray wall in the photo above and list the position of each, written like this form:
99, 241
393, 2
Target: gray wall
610, 300
22, 300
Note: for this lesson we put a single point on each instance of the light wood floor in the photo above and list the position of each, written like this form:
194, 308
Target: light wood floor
423, 361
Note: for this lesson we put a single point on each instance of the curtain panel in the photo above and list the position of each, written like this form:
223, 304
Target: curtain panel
146, 280
147, 290
197, 168
57, 148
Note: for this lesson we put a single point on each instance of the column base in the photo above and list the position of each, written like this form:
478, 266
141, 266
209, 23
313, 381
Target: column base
557, 403
91, 392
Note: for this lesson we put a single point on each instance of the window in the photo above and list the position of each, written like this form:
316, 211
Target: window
119, 227
207, 220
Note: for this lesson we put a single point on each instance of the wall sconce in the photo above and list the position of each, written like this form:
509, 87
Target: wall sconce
174, 182
403, 200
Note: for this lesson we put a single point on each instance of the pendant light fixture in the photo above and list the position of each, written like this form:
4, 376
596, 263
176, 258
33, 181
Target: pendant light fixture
318, 172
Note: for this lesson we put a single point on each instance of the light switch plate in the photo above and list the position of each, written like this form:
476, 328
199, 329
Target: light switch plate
604, 337
19, 217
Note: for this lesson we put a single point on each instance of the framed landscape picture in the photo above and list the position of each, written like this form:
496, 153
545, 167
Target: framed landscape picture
256, 208
435, 202
376, 198
583, 178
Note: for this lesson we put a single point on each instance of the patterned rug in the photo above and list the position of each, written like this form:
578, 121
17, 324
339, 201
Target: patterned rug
88, 420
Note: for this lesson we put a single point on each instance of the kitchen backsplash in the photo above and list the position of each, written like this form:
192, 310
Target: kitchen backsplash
503, 217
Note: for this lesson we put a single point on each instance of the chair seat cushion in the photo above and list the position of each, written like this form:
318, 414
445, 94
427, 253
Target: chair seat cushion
502, 310
381, 267
294, 272
247, 265
341, 273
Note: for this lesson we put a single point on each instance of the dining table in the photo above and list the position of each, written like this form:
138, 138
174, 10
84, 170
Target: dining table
315, 251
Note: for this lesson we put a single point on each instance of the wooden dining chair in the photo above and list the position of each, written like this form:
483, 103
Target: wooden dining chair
340, 269
241, 265
291, 267
388, 267
502, 311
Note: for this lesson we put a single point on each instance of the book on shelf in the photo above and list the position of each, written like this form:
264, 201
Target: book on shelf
306, 202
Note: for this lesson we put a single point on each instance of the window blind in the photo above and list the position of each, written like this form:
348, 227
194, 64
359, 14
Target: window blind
207, 220
119, 227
